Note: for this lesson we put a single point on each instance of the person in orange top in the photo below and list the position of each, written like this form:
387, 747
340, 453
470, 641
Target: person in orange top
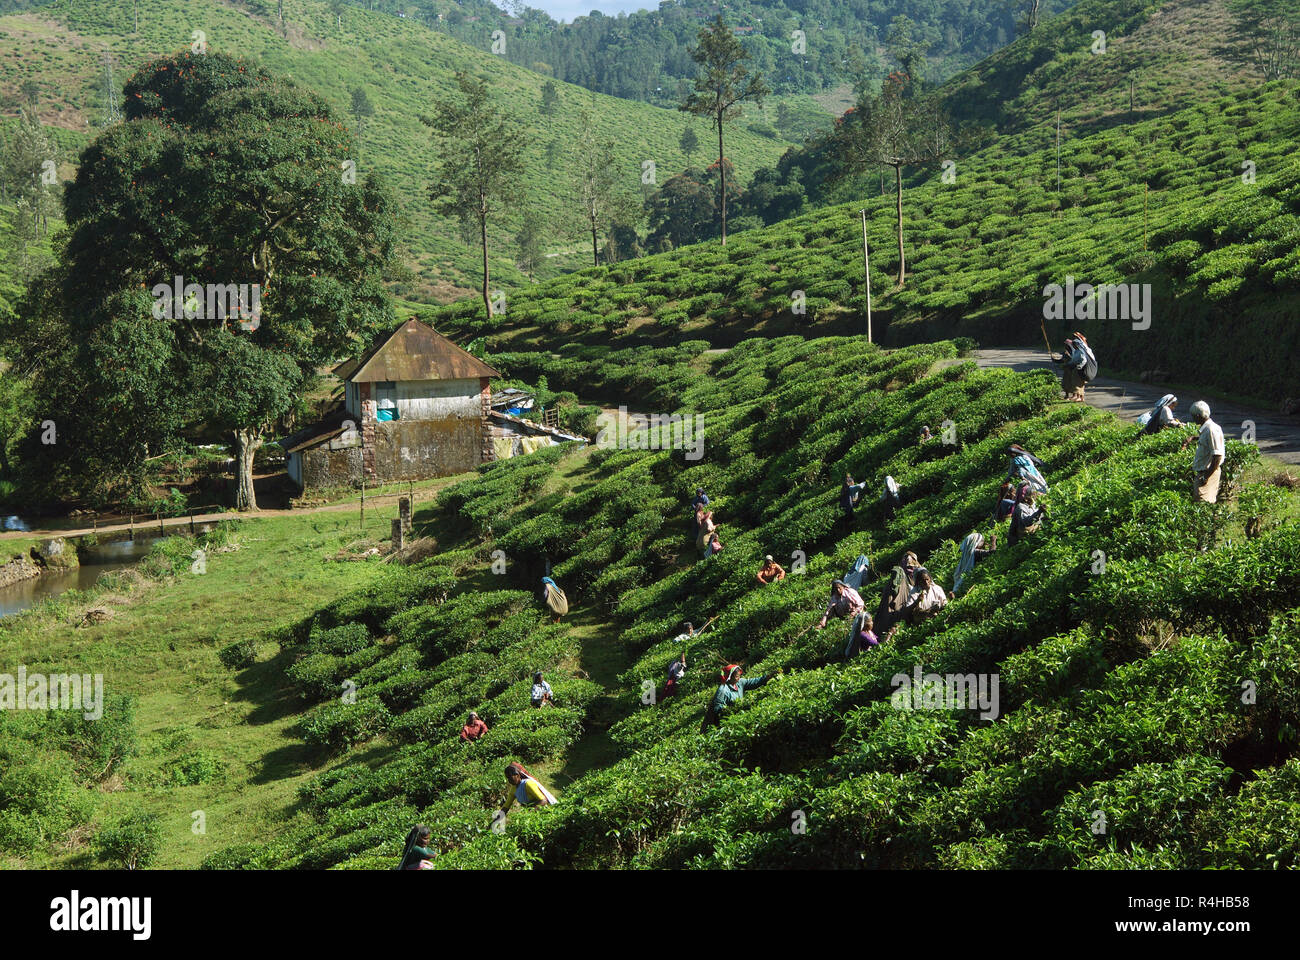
770, 572
474, 729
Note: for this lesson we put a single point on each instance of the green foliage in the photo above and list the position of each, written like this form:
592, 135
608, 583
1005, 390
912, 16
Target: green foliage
1113, 696
39, 802
198, 766
338, 726
131, 842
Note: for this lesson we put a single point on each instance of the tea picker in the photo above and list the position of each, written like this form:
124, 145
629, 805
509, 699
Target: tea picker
731, 689
555, 598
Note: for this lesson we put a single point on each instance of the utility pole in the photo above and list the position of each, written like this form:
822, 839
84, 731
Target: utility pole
866, 267
113, 111
1146, 189
1058, 146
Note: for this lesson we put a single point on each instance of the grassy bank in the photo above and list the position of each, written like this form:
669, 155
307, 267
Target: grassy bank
208, 738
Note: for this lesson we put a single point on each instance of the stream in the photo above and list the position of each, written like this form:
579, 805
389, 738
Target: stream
99, 559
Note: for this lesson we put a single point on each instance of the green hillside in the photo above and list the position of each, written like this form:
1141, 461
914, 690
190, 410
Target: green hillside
1114, 695
1162, 201
1167, 54
405, 69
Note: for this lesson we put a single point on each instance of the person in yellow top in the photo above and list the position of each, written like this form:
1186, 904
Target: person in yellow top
528, 791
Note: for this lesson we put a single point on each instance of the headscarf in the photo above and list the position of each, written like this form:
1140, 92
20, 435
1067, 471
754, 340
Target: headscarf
1154, 412
973, 542
1082, 352
1022, 466
418, 832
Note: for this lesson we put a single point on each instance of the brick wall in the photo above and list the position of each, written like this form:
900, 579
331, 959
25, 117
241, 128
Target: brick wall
367, 432
485, 393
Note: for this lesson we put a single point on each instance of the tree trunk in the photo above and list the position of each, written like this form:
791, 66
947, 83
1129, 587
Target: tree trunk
246, 443
487, 300
722, 183
595, 256
898, 186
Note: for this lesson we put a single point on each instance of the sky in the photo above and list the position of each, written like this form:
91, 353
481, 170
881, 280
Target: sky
566, 10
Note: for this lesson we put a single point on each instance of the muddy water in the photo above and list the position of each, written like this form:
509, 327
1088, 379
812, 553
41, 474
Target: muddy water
99, 559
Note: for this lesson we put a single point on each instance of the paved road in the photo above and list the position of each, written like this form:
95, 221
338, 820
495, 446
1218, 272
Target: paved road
1277, 435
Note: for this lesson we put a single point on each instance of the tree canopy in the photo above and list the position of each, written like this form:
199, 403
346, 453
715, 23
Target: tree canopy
240, 189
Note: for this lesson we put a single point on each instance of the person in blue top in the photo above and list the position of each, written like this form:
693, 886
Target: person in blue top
730, 690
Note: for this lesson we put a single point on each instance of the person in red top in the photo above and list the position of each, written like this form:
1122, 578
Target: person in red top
474, 729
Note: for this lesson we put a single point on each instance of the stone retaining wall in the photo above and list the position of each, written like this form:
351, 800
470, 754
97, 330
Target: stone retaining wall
18, 569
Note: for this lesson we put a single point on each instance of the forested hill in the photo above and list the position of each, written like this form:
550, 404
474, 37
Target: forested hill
403, 69
643, 55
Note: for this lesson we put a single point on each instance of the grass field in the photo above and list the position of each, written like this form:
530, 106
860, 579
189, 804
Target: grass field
161, 647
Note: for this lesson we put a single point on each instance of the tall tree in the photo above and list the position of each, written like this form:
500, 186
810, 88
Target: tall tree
362, 108
893, 130
225, 177
906, 45
550, 98
482, 159
1265, 35
722, 84
29, 167
689, 142
593, 181
529, 241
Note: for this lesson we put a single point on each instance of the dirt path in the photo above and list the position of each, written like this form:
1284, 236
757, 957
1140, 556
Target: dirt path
602, 659
1277, 435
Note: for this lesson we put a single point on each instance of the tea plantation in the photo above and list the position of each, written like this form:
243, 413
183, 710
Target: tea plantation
1146, 647
1202, 204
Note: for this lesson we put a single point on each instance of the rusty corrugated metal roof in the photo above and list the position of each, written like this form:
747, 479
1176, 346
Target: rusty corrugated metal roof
414, 351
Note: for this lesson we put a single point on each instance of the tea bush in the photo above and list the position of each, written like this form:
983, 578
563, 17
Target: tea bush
1120, 635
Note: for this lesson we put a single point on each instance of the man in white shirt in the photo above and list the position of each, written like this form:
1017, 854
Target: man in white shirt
541, 692
1208, 465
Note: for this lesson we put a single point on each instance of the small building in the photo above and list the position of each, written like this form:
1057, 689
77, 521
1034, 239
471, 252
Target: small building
415, 406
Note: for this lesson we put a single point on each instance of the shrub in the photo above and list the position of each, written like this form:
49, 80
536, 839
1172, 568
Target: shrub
338, 726
131, 842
